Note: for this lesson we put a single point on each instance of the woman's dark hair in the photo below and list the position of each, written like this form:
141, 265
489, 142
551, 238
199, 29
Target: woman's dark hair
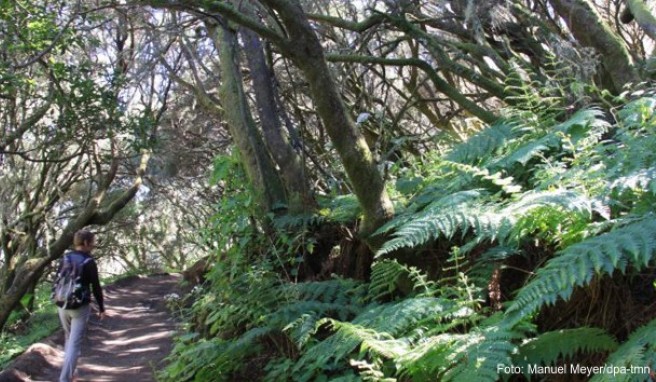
83, 237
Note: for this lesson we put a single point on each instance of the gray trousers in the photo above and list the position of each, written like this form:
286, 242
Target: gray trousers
74, 322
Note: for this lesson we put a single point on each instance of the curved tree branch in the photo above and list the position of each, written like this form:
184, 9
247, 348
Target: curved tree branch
439, 83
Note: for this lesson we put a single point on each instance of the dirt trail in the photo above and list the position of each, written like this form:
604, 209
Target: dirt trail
128, 345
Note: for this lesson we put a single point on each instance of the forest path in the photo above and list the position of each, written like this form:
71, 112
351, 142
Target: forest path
129, 344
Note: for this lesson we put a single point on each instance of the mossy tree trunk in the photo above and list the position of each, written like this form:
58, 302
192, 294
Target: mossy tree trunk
589, 28
291, 169
255, 157
303, 47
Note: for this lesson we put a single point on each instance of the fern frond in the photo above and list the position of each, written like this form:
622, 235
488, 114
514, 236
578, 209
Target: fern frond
380, 326
585, 128
302, 329
473, 356
326, 354
558, 217
385, 277
251, 297
567, 199
342, 209
430, 359
575, 265
550, 347
488, 222
480, 355
639, 350
639, 114
340, 298
582, 129
203, 359
431, 201
399, 318
444, 223
641, 179
290, 222
506, 183
421, 284
481, 271
337, 290
484, 143
526, 152
381, 343
592, 118
348, 377
292, 312
370, 372
438, 201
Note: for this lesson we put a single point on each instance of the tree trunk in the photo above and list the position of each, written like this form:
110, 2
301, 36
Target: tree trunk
590, 30
304, 49
258, 164
291, 169
302, 46
643, 13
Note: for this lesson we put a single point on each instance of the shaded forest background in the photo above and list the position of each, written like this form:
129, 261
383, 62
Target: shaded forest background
382, 190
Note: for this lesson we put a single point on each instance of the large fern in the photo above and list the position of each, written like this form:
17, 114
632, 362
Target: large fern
213, 359
637, 355
631, 244
580, 200
304, 303
443, 223
551, 347
486, 221
485, 143
388, 275
473, 356
387, 330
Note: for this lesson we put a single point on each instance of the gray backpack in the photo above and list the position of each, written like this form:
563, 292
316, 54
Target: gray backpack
68, 291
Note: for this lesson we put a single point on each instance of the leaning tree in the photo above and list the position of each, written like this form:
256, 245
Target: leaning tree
71, 154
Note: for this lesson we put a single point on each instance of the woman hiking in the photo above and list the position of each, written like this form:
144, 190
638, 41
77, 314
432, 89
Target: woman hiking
77, 276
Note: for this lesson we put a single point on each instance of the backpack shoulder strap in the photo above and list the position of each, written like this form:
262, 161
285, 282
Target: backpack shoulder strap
77, 257
64, 262
76, 261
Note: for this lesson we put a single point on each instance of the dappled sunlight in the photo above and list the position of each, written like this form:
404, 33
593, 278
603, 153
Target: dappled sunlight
122, 341
142, 350
127, 332
127, 345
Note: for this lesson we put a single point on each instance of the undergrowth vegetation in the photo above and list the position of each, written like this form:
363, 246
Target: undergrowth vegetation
29, 328
531, 243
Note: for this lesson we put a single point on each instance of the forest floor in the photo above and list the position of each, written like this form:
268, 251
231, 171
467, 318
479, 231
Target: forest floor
129, 344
